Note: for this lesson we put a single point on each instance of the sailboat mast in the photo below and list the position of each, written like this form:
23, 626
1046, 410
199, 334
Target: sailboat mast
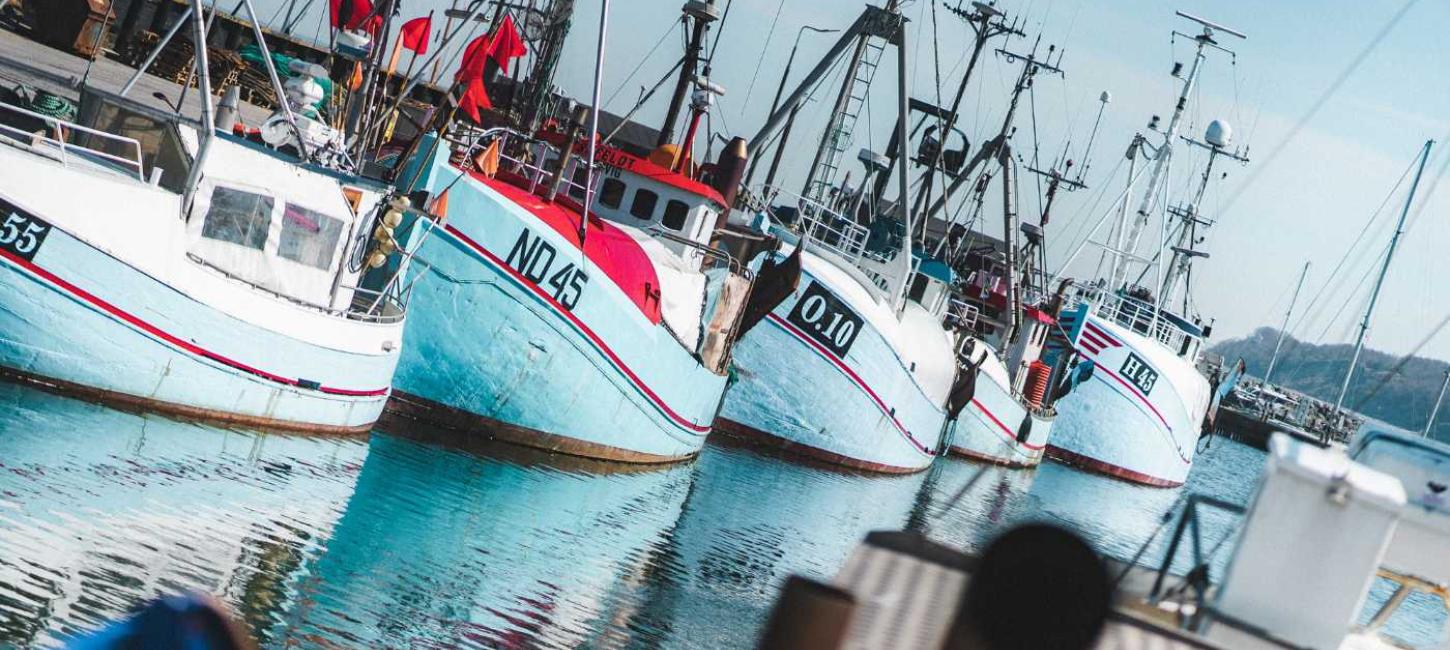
1284, 329
1380, 281
1430, 424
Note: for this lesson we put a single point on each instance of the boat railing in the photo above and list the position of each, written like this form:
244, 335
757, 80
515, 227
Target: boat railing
1140, 317
61, 130
828, 228
386, 308
714, 256
525, 157
963, 314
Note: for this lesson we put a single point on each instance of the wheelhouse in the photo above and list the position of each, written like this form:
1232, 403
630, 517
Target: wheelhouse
257, 215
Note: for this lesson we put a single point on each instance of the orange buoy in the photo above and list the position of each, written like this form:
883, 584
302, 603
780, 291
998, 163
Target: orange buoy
1037, 376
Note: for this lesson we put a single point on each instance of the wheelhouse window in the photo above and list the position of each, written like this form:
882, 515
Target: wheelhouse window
611, 192
238, 217
675, 213
161, 146
581, 178
308, 237
643, 206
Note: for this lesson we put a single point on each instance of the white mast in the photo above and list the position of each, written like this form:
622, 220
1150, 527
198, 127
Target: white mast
1164, 153
1284, 329
1436, 410
1380, 281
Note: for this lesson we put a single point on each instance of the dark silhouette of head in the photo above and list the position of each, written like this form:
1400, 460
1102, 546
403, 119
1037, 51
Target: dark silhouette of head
1037, 586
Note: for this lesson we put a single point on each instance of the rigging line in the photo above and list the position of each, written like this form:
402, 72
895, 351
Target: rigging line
1358, 288
1395, 371
1036, 162
1344, 259
647, 57
1079, 225
1319, 103
763, 51
719, 30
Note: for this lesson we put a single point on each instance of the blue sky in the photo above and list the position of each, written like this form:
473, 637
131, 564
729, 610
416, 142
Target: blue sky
1309, 204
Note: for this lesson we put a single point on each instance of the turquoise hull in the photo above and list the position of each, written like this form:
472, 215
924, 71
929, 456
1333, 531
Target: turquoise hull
497, 344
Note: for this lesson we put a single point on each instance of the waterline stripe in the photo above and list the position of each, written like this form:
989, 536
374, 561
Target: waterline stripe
518, 279
885, 410
117, 313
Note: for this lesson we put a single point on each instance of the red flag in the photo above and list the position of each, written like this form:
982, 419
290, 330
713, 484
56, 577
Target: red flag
471, 67
349, 14
506, 44
415, 34
474, 98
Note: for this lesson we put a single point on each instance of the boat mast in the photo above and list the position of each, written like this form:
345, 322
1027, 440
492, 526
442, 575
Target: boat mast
986, 22
1436, 410
1380, 281
1284, 329
1164, 154
702, 13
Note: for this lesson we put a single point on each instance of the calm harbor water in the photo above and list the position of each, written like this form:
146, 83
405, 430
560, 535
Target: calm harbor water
408, 538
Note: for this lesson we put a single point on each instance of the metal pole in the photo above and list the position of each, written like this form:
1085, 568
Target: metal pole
780, 148
904, 184
277, 87
207, 133
797, 97
1380, 281
1160, 166
593, 125
160, 45
693, 56
780, 89
1284, 329
1436, 410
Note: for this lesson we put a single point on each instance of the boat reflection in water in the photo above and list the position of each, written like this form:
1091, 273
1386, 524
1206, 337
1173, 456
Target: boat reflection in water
751, 520
454, 543
102, 510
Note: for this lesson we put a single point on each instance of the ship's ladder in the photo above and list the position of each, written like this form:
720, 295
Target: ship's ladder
843, 124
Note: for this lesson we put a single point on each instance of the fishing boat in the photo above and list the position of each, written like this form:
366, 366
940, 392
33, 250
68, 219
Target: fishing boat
1138, 401
853, 367
156, 262
606, 337
1005, 414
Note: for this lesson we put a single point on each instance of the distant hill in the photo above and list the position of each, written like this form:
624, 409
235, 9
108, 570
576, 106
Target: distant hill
1318, 370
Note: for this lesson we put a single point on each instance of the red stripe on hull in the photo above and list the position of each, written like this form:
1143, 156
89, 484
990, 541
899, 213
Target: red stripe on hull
1078, 460
1087, 337
598, 342
137, 404
1012, 437
1098, 331
860, 383
769, 440
174, 341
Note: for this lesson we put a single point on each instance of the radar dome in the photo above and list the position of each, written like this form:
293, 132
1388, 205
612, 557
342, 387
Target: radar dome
1219, 134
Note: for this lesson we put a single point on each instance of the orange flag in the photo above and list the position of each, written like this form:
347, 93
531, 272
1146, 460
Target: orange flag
487, 160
